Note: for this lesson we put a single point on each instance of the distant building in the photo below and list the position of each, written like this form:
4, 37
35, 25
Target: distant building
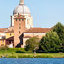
21, 28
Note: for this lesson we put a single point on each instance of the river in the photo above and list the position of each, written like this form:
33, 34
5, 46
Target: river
32, 61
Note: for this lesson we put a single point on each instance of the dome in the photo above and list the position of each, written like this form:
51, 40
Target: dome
21, 9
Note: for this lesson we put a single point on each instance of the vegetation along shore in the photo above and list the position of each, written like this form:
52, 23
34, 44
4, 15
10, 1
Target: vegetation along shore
50, 46
21, 53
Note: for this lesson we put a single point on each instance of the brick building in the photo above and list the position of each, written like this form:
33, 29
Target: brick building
21, 28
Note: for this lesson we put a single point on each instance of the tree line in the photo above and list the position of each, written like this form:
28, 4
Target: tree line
52, 42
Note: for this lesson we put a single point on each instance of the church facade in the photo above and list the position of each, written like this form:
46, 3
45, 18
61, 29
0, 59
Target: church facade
21, 28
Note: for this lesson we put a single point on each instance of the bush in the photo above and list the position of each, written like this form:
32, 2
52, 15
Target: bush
3, 48
11, 50
32, 44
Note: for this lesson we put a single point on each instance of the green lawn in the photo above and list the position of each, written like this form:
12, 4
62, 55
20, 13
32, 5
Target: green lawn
32, 55
21, 53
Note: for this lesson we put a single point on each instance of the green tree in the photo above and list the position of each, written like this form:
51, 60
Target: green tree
50, 42
59, 29
32, 44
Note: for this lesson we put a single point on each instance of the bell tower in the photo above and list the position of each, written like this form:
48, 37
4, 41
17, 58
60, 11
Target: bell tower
19, 28
22, 22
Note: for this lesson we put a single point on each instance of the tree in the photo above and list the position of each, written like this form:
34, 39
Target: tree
32, 44
59, 29
50, 42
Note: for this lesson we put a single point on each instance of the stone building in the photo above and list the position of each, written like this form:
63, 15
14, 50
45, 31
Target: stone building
21, 28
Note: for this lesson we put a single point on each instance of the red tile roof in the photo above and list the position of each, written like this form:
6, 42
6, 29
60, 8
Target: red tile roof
9, 31
6, 30
38, 30
27, 37
2, 30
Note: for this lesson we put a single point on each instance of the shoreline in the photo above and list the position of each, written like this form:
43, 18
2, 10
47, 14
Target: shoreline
31, 55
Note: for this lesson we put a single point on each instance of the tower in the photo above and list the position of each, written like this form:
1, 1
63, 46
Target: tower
21, 20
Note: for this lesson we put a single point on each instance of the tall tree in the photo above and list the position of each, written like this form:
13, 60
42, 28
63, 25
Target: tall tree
59, 29
50, 42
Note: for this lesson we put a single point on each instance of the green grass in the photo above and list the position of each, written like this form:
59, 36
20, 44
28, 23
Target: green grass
21, 53
14, 50
32, 55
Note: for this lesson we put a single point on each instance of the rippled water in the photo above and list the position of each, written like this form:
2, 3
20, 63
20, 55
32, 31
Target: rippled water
32, 61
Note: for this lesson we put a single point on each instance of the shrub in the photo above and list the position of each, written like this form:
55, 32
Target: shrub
32, 44
3, 48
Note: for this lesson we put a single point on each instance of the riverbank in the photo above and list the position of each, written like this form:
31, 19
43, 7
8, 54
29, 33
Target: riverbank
21, 53
32, 55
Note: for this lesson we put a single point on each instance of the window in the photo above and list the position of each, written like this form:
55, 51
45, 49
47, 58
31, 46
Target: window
3, 41
22, 19
16, 19
19, 32
19, 27
28, 22
19, 24
19, 19
10, 34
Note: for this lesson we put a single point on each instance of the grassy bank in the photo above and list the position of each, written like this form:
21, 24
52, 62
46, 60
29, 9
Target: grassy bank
32, 55
21, 53
14, 50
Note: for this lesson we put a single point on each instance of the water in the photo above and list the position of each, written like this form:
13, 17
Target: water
32, 61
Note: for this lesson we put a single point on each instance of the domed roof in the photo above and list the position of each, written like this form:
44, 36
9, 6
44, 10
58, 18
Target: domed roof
21, 8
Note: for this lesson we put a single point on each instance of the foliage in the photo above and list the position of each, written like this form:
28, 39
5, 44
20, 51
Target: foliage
3, 48
54, 40
50, 42
13, 50
59, 29
32, 44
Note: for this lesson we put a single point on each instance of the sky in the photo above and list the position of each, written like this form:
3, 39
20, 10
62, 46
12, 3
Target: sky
45, 13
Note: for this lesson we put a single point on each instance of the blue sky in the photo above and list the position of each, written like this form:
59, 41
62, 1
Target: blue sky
46, 13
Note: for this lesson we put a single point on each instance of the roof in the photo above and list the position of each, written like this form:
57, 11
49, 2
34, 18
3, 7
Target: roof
21, 9
3, 30
9, 31
10, 38
38, 30
6, 30
27, 37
